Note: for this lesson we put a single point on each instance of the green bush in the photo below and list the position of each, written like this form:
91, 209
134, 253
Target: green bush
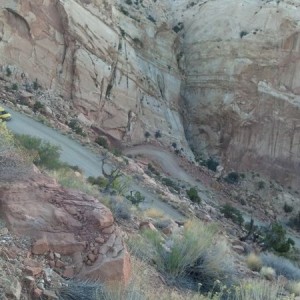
261, 185
212, 164
8, 71
102, 141
157, 134
170, 183
35, 85
100, 181
74, 125
287, 208
147, 134
14, 87
38, 106
153, 170
232, 178
274, 237
135, 198
46, 154
243, 33
193, 195
232, 213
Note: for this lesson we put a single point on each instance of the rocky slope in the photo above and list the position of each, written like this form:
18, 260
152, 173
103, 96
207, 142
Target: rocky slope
223, 74
77, 228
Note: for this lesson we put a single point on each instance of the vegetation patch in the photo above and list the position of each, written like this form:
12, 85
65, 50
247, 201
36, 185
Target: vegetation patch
193, 195
45, 154
232, 213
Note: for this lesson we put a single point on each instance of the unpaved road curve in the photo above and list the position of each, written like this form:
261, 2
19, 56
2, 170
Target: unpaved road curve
166, 160
74, 153
169, 163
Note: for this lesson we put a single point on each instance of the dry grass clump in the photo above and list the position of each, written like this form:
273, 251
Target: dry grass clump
69, 179
294, 288
195, 255
254, 262
154, 213
281, 265
268, 273
254, 289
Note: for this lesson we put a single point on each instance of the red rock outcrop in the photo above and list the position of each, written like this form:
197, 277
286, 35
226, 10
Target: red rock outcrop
67, 223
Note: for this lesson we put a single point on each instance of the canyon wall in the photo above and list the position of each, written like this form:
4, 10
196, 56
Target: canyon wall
113, 62
242, 87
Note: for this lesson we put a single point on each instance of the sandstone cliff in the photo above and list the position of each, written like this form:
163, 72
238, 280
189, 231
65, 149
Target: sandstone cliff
242, 87
111, 61
223, 74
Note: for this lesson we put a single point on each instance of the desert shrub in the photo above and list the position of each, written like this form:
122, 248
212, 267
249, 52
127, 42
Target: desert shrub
38, 106
135, 198
287, 208
153, 170
100, 181
85, 290
232, 213
193, 195
35, 85
122, 210
102, 141
261, 185
178, 27
294, 222
281, 265
274, 237
67, 178
138, 42
147, 134
255, 289
193, 254
116, 152
293, 287
14, 87
157, 134
121, 185
268, 273
253, 262
170, 183
75, 126
151, 19
154, 213
232, 178
214, 265
8, 71
47, 155
211, 164
243, 33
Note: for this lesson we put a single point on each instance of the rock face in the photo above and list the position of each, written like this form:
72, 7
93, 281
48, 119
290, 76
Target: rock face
111, 63
223, 74
242, 90
67, 223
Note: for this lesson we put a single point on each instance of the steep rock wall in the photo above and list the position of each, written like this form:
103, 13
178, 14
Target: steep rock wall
242, 88
115, 63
